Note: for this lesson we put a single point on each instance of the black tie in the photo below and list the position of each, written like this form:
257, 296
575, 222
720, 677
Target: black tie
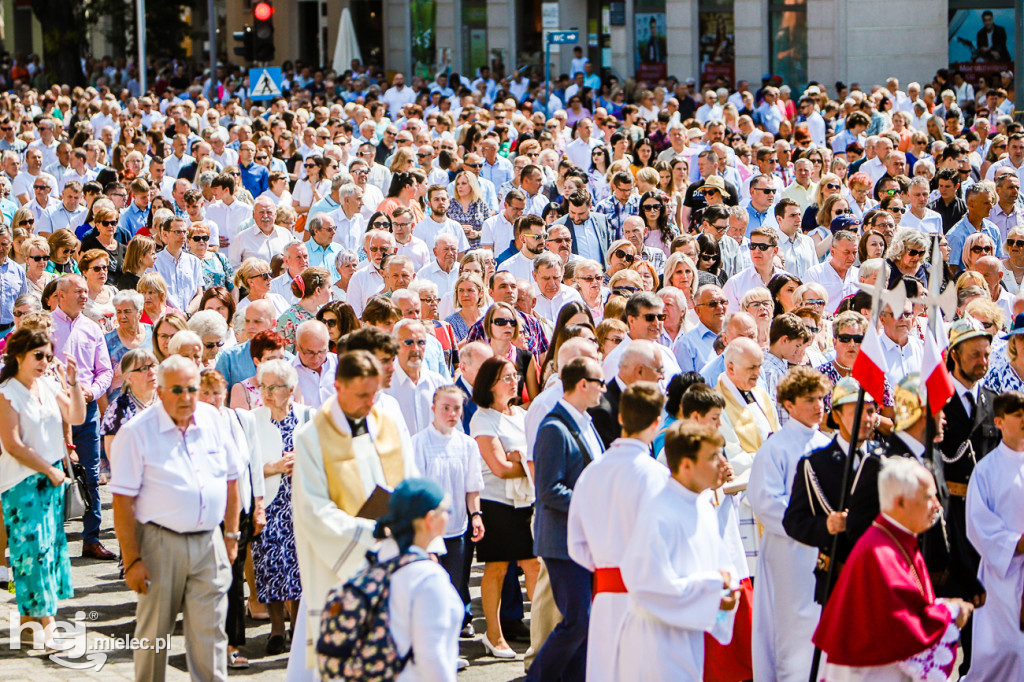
358, 426
748, 396
970, 402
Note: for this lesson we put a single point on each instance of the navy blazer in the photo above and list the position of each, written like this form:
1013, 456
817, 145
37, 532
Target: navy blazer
468, 406
559, 456
600, 223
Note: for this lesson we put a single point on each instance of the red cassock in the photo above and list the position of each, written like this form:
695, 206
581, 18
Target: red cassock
883, 608
732, 662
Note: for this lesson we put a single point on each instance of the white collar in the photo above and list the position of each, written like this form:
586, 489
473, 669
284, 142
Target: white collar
961, 390
897, 524
915, 446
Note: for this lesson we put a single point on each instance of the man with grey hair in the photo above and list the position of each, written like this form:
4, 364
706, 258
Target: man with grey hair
552, 293
980, 200
296, 259
314, 363
838, 274
261, 237
675, 314
369, 280
991, 268
168, 508
441, 269
413, 385
871, 269
361, 169
322, 249
350, 222
1007, 211
919, 216
738, 325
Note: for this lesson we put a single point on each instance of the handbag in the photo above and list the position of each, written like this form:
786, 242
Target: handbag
76, 491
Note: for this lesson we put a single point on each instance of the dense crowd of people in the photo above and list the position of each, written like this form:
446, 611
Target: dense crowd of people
602, 343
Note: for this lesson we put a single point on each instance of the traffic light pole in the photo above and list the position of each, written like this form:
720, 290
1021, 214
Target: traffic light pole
140, 7
211, 11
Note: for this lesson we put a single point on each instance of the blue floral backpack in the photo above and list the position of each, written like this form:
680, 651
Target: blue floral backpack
355, 640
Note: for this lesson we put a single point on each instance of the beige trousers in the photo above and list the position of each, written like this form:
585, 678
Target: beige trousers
544, 615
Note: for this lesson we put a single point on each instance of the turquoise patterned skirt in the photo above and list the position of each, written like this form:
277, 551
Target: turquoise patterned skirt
34, 519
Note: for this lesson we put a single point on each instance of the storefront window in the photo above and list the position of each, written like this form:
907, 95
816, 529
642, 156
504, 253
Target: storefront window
788, 41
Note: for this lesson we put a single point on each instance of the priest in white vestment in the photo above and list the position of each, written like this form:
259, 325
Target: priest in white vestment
995, 526
678, 574
603, 516
785, 613
350, 447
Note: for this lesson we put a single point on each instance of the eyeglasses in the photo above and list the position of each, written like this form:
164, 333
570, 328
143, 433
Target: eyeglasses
847, 338
42, 354
309, 165
713, 304
890, 192
625, 291
760, 246
541, 237
200, 237
589, 279
96, 268
832, 185
262, 157
143, 368
174, 231
897, 209
915, 253
652, 207
510, 378
262, 275
592, 380
812, 330
560, 240
981, 249
380, 249
28, 221
814, 301
503, 322
270, 388
473, 165
430, 300
422, 343
41, 188
651, 317
210, 345
708, 256
765, 305
179, 390
766, 190
38, 259
904, 316
628, 257
361, 171
1015, 243
843, 211
109, 223
380, 224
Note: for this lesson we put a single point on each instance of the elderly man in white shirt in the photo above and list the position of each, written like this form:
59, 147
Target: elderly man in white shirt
551, 293
263, 238
174, 477
347, 217
368, 280
413, 385
838, 274
902, 350
441, 269
314, 363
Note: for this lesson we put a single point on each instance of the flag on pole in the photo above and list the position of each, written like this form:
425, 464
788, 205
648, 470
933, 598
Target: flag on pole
937, 378
870, 367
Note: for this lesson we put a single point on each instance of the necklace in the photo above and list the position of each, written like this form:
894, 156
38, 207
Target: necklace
844, 370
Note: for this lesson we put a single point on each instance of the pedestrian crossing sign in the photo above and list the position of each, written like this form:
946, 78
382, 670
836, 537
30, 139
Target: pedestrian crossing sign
264, 83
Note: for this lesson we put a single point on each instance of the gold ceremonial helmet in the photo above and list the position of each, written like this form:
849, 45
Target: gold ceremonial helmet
846, 391
965, 329
911, 400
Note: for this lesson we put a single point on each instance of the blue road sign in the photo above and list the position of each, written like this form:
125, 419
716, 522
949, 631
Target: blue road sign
264, 83
563, 37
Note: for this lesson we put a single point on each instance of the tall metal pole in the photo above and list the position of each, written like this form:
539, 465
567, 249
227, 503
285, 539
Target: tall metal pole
140, 6
1018, 71
547, 74
211, 19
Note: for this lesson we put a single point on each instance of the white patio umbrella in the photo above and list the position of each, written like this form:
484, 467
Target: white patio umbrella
347, 47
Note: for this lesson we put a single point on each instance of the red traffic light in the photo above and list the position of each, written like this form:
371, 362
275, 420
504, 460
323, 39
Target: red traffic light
263, 11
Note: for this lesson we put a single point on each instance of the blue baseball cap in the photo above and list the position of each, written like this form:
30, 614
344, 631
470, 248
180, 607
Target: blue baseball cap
846, 221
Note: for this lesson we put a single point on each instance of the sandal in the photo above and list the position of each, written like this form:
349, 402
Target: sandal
237, 660
256, 615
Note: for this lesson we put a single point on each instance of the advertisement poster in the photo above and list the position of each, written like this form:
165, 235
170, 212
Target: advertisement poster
423, 15
981, 41
651, 58
717, 47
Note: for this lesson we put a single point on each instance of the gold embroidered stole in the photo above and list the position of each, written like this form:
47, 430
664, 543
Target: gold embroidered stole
344, 482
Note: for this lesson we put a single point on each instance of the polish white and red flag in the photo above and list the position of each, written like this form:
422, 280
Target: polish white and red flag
870, 367
934, 373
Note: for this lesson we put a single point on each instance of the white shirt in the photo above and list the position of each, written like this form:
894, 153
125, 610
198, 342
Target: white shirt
178, 479
548, 308
454, 462
418, 251
173, 165
252, 241
931, 223
316, 388
428, 229
60, 218
837, 288
497, 232
415, 399
519, 265
282, 286
798, 252
184, 276
588, 432
578, 151
365, 283
228, 218
445, 281
42, 216
742, 282
538, 409
902, 360
874, 168
350, 231
669, 365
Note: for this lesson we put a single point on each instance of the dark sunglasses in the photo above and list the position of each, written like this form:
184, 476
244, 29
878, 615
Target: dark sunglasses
263, 275
981, 249
832, 185
330, 322
1015, 243
213, 344
42, 354
708, 256
107, 223
200, 237
847, 338
422, 343
381, 224
766, 190
897, 209
38, 259
760, 247
651, 317
914, 253
628, 257
503, 322
178, 390
652, 207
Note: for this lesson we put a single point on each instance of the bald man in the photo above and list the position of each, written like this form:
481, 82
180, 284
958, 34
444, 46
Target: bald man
471, 357
736, 325
314, 362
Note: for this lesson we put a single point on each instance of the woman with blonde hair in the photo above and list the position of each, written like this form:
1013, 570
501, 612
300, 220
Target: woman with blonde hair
610, 333
25, 219
648, 275
403, 161
138, 258
468, 208
154, 289
681, 273
976, 245
1013, 264
254, 275
36, 254
164, 330
469, 298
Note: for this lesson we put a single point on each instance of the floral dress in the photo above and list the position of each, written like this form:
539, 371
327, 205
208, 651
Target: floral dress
273, 550
288, 323
474, 216
832, 374
217, 271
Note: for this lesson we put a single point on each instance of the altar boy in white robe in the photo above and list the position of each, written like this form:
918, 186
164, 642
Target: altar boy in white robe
676, 569
785, 613
995, 526
603, 517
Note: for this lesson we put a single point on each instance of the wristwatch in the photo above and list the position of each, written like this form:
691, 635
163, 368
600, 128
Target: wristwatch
234, 536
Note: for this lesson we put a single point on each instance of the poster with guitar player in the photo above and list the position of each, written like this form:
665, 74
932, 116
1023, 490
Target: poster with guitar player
981, 42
